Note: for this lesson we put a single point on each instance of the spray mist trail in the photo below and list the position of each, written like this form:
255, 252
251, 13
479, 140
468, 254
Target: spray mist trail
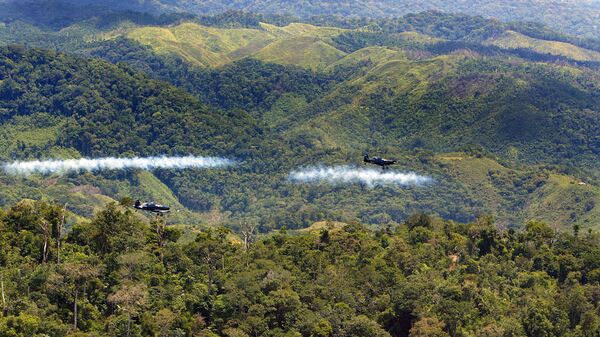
350, 175
111, 163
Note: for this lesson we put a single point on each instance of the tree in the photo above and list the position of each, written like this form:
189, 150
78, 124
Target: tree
419, 220
129, 298
428, 327
536, 322
164, 320
159, 225
114, 230
59, 229
71, 277
209, 251
37, 219
362, 326
248, 230
46, 229
590, 324
281, 306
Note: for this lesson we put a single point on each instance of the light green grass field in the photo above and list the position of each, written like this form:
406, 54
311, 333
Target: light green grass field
565, 200
513, 40
299, 44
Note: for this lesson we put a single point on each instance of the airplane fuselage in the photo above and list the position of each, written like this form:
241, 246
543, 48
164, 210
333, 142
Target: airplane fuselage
379, 161
151, 207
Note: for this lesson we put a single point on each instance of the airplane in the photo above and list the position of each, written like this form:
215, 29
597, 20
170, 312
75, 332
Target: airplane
379, 161
151, 207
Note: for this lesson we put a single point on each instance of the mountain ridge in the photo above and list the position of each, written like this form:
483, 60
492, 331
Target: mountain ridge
576, 17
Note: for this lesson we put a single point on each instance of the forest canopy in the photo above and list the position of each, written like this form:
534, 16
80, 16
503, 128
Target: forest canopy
427, 277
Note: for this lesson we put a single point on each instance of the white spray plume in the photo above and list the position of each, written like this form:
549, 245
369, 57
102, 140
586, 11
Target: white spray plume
349, 175
112, 163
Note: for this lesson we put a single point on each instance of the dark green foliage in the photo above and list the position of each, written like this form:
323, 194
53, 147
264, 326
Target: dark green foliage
129, 113
246, 84
57, 14
575, 18
444, 26
460, 31
351, 284
242, 19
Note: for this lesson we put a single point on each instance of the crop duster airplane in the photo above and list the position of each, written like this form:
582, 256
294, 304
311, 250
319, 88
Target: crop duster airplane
151, 207
379, 161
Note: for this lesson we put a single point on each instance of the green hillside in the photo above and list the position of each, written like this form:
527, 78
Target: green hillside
322, 45
210, 47
512, 40
306, 51
571, 17
445, 102
563, 200
516, 118
205, 46
89, 106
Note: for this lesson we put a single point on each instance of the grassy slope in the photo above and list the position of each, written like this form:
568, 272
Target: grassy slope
201, 45
376, 55
304, 51
320, 225
475, 172
210, 47
565, 200
350, 124
157, 190
559, 200
513, 40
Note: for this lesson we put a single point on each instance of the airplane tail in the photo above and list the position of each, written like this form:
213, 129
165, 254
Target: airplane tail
137, 203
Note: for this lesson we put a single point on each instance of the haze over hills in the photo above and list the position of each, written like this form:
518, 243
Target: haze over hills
575, 17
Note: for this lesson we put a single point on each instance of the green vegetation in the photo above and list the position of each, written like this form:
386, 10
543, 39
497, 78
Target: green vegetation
504, 117
393, 91
205, 46
118, 275
571, 17
564, 199
105, 109
315, 54
209, 46
514, 40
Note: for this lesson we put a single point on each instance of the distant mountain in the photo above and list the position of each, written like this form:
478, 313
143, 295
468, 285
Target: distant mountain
58, 14
575, 17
